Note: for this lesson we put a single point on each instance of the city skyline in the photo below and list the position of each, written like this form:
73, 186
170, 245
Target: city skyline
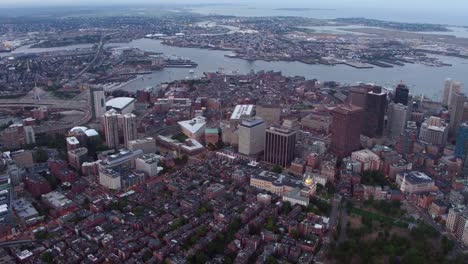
327, 132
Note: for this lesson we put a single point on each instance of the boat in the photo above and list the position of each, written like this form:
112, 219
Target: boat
178, 62
191, 71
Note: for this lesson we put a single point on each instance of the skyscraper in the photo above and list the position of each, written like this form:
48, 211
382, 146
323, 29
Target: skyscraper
6, 193
401, 94
450, 88
462, 141
280, 144
98, 101
456, 108
346, 129
397, 117
376, 105
111, 129
405, 142
129, 128
434, 130
252, 136
358, 95
374, 102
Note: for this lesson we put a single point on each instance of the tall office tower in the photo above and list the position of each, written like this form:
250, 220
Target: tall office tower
129, 128
465, 112
374, 102
405, 143
446, 91
434, 130
346, 130
465, 168
6, 193
97, 99
376, 105
280, 144
29, 135
450, 88
358, 96
397, 117
456, 88
111, 129
252, 136
456, 108
462, 141
401, 94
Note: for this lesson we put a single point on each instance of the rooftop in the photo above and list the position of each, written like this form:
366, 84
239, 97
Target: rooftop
191, 145
252, 121
56, 199
242, 111
79, 128
119, 102
415, 177
211, 131
72, 141
193, 125
122, 156
151, 158
278, 179
91, 133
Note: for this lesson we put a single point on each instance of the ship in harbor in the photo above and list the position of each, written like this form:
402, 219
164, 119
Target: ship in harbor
179, 62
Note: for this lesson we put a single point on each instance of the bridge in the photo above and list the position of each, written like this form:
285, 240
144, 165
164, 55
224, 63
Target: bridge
79, 103
51, 104
17, 243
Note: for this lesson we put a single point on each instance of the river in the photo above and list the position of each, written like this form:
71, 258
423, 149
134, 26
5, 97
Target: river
420, 78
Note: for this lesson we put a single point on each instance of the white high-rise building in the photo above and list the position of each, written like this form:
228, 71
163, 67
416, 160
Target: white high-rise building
397, 117
98, 102
456, 108
129, 128
450, 88
29, 135
434, 130
111, 129
252, 136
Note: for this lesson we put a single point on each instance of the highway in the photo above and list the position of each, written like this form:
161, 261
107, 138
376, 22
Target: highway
51, 104
17, 243
79, 103
98, 52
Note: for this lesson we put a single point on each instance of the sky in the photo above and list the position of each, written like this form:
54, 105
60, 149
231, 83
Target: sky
424, 4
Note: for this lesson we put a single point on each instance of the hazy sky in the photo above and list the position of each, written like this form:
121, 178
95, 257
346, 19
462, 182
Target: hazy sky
431, 4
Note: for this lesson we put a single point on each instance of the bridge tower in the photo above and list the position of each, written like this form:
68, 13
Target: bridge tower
37, 93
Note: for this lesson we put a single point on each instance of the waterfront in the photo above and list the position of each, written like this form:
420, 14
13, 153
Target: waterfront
422, 79
331, 11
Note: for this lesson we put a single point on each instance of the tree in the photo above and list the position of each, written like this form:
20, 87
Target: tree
41, 155
271, 224
200, 257
294, 234
330, 188
47, 257
374, 178
287, 207
271, 260
447, 245
413, 256
277, 169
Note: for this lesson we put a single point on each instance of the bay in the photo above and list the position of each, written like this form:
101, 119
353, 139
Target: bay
421, 79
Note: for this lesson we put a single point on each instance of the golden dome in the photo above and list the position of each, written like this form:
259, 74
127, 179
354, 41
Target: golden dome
308, 181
